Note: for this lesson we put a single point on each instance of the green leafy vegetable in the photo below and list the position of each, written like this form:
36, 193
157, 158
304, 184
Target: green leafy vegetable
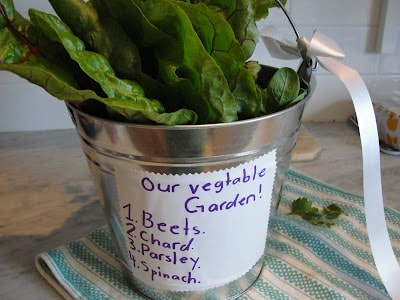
304, 208
240, 15
7, 12
102, 34
262, 7
283, 90
161, 61
220, 42
97, 67
84, 22
165, 32
124, 96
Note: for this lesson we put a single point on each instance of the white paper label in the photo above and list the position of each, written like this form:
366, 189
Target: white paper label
196, 231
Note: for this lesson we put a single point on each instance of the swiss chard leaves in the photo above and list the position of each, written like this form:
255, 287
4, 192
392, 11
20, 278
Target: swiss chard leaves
21, 57
163, 29
95, 66
102, 34
163, 61
7, 12
220, 42
240, 15
262, 8
84, 22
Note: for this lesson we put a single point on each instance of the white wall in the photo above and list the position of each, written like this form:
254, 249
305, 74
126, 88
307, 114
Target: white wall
368, 34
24, 106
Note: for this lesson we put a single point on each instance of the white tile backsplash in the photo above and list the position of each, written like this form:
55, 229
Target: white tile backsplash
389, 64
354, 24
334, 13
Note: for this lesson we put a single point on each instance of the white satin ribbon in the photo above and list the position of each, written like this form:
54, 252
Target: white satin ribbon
325, 51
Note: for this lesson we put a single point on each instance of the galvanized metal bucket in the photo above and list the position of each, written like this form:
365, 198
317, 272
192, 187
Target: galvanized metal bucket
188, 206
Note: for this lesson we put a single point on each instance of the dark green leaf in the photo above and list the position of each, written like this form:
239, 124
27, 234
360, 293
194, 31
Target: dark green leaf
301, 205
247, 94
220, 42
332, 211
150, 42
7, 12
217, 38
179, 117
84, 21
104, 35
241, 16
262, 7
164, 32
11, 51
59, 82
284, 86
283, 90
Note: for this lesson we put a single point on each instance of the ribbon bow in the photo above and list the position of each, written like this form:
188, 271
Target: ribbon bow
326, 52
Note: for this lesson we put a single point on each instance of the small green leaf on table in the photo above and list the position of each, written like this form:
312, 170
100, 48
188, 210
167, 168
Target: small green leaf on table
305, 209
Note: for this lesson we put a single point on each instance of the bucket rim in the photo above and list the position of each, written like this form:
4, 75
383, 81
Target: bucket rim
71, 106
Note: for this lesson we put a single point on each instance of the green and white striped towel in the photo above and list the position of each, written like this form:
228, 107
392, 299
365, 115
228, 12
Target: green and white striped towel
302, 262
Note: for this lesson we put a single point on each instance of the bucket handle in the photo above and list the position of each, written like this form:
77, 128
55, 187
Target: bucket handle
307, 66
